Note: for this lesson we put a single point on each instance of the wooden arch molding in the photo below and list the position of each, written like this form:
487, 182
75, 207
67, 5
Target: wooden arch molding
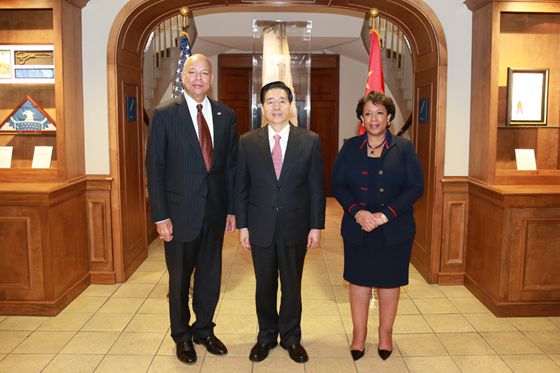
127, 39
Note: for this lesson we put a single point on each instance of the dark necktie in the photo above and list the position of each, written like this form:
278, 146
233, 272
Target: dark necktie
204, 138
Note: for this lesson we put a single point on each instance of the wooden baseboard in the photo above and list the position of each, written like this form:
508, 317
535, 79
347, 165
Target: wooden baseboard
451, 278
103, 278
45, 308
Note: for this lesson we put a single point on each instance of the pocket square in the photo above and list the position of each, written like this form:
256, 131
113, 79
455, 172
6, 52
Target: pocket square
219, 113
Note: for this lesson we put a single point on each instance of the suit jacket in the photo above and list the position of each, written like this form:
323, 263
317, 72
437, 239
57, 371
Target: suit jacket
398, 184
179, 185
286, 208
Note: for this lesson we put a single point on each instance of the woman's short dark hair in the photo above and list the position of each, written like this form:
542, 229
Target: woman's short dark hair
276, 85
376, 98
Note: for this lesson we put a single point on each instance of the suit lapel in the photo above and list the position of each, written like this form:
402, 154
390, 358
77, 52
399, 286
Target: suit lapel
264, 146
219, 132
292, 150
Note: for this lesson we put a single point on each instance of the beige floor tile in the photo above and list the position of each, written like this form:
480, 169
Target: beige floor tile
510, 343
549, 342
278, 365
330, 365
160, 291
73, 364
485, 322
124, 363
236, 324
140, 277
555, 320
133, 343
66, 321
465, 344
423, 291
375, 364
316, 279
429, 306
531, 363
22, 322
326, 346
122, 305
24, 363
481, 364
107, 322
44, 342
237, 307
410, 324
456, 291
238, 345
85, 304
171, 364
2, 318
469, 305
97, 290
128, 290
419, 345
316, 307
317, 293
151, 266
341, 294
90, 343
226, 364
167, 346
155, 305
239, 292
407, 307
449, 323
148, 322
555, 358
534, 324
9, 339
322, 325
435, 364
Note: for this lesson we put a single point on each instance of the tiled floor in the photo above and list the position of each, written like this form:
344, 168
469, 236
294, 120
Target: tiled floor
124, 327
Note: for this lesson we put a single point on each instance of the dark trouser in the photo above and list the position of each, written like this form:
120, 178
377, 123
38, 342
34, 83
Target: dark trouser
267, 262
205, 255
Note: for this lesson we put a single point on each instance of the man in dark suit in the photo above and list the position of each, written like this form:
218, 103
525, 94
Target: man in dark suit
190, 162
280, 211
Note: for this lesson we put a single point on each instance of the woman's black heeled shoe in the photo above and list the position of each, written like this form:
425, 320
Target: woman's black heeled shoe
357, 354
384, 354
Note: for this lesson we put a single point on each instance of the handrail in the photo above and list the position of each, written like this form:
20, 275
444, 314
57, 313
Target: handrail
405, 126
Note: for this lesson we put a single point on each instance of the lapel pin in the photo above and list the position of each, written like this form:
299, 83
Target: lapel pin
219, 113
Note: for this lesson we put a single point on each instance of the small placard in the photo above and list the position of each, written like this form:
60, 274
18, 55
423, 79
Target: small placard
131, 108
42, 157
6, 156
423, 105
525, 159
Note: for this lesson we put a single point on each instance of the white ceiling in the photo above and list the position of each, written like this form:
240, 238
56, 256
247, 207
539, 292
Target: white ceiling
222, 31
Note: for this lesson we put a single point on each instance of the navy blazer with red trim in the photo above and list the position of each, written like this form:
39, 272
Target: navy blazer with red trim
399, 183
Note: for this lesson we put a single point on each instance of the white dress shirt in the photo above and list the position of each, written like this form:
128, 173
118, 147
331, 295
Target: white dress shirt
206, 111
284, 134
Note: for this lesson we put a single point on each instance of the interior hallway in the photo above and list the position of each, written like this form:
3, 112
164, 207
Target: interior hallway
124, 327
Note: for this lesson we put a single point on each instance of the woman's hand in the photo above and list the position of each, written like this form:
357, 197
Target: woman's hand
366, 220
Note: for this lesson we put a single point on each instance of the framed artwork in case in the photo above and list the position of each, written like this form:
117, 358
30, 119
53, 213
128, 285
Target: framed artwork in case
28, 116
527, 96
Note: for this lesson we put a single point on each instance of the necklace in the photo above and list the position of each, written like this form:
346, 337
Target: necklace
373, 148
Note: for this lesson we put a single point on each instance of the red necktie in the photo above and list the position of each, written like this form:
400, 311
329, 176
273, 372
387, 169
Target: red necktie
204, 138
277, 156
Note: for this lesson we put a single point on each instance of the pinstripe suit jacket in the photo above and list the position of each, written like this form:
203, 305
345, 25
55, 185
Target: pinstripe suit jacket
287, 208
179, 186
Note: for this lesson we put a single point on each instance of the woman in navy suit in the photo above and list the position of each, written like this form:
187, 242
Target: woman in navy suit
377, 177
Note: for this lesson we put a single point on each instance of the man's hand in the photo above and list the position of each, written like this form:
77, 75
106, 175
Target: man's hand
313, 238
230, 223
165, 230
244, 238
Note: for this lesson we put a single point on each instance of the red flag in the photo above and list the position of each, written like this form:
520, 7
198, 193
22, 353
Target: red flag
375, 80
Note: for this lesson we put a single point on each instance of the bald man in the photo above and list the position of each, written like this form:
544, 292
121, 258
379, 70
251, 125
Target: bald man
190, 162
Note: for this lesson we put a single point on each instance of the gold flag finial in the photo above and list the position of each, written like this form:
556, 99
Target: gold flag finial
373, 14
184, 11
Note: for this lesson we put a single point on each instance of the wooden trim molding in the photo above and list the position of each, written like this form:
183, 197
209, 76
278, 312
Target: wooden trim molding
100, 246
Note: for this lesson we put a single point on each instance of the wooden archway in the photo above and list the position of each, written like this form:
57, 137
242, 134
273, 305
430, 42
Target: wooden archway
127, 39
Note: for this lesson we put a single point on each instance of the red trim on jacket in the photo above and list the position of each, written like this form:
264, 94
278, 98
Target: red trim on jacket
393, 211
352, 206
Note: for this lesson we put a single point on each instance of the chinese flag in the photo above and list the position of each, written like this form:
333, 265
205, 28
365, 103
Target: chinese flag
375, 80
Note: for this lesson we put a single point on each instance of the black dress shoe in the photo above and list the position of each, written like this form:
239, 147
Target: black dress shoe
212, 344
357, 354
186, 352
260, 351
297, 353
384, 354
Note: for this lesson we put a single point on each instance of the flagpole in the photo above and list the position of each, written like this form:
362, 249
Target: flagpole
184, 12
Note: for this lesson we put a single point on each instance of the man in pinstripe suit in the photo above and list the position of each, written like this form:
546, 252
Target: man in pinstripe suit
190, 162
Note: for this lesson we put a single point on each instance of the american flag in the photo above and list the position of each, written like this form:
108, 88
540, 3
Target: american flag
177, 89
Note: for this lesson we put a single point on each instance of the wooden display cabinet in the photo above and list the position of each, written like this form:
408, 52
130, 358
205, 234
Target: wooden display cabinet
513, 245
44, 261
